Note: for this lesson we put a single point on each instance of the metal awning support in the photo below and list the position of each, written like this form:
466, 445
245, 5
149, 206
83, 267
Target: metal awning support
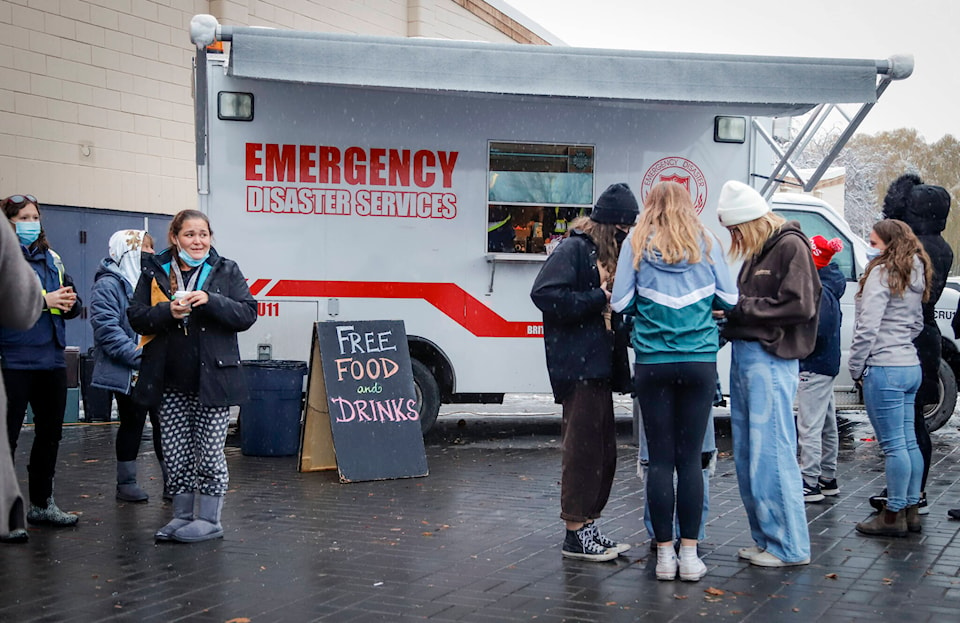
897, 68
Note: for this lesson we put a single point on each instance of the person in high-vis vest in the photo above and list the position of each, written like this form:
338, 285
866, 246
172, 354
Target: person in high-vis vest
33, 362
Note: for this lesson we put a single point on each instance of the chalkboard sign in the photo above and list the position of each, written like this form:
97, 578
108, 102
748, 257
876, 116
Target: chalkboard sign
361, 412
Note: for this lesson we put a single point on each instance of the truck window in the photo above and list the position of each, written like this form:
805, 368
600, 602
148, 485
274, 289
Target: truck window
534, 190
814, 224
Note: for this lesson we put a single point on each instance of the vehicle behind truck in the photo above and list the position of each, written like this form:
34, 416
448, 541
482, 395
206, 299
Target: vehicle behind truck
366, 178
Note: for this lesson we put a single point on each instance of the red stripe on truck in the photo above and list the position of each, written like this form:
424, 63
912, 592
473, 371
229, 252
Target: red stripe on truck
258, 285
449, 298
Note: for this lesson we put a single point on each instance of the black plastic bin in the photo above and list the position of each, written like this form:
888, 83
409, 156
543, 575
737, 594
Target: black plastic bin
270, 421
97, 402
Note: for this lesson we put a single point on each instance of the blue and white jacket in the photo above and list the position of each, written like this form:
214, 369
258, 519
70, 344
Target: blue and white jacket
672, 304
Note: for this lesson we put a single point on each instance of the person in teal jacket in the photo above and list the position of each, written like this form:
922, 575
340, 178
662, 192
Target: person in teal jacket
669, 279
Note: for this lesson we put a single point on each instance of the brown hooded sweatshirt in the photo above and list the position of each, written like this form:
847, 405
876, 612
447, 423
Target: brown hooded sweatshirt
779, 301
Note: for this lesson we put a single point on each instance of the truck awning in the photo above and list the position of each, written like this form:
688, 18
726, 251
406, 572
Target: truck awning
758, 85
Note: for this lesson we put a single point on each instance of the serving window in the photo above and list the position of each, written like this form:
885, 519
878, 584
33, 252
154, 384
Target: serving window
535, 190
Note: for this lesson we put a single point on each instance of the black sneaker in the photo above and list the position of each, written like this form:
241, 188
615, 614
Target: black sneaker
812, 493
579, 544
604, 541
879, 502
953, 513
922, 507
828, 487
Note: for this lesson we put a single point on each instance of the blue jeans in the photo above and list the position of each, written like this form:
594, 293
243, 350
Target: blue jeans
762, 389
889, 393
709, 447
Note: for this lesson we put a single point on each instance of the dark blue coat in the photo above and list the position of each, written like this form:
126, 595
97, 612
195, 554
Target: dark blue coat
41, 346
231, 309
825, 358
116, 355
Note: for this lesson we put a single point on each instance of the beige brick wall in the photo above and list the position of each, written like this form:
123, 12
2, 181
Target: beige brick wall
95, 98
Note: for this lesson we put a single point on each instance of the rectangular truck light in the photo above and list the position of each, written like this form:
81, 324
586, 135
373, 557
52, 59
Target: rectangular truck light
729, 129
233, 106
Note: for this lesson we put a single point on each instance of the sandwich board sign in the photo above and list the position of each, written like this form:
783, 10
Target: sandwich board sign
361, 415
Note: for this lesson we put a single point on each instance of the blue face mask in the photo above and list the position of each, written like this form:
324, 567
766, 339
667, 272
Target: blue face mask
873, 252
28, 231
189, 261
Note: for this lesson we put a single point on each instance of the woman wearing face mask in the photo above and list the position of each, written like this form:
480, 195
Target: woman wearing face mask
889, 308
117, 354
189, 305
34, 367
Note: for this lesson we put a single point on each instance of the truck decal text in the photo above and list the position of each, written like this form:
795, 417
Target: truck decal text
323, 179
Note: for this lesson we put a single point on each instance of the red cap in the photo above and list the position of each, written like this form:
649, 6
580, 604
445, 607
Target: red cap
824, 249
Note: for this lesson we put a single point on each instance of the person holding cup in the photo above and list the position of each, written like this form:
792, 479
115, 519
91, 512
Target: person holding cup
189, 305
33, 362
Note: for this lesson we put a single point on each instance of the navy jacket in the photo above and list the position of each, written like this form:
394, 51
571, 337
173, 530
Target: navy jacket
41, 346
825, 358
567, 291
231, 309
116, 355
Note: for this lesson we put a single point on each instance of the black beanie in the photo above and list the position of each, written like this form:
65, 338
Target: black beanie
616, 206
924, 207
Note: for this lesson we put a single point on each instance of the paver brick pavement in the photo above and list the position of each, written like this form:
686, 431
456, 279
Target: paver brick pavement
477, 540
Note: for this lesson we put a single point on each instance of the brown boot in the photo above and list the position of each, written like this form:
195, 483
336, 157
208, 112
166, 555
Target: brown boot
885, 523
913, 518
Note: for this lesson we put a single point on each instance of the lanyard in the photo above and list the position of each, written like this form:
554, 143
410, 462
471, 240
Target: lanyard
179, 276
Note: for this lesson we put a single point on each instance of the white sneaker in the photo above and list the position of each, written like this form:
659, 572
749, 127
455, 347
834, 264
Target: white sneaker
766, 559
691, 567
666, 562
749, 553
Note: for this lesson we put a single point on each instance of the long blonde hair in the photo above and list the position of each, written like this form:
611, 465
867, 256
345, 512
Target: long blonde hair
747, 239
604, 236
902, 246
669, 225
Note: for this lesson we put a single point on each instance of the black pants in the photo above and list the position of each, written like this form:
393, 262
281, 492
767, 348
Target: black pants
46, 393
132, 417
588, 444
675, 400
929, 351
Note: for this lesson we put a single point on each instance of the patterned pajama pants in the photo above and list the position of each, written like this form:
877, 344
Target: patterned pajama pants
193, 436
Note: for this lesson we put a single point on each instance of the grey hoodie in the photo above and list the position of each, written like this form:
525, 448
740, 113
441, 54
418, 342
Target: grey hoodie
886, 324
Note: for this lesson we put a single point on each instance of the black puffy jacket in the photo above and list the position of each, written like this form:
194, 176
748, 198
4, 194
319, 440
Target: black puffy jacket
231, 309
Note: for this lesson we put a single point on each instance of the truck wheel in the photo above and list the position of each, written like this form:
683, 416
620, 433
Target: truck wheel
936, 415
428, 395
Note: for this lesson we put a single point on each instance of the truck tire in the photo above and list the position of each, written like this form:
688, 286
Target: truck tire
428, 395
936, 415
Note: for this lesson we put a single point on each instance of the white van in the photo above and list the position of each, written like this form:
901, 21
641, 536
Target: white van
356, 177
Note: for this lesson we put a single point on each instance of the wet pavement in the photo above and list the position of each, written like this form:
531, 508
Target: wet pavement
476, 540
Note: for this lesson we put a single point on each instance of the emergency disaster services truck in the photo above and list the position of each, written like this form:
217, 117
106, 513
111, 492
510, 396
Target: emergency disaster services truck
361, 178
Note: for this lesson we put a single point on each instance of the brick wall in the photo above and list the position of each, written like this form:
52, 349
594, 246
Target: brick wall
95, 99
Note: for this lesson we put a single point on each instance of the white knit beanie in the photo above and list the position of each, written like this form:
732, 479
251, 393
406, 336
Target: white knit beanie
739, 203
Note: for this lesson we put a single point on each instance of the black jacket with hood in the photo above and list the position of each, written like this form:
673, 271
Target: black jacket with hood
231, 309
925, 209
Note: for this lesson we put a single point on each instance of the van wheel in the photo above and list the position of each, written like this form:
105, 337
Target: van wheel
936, 415
428, 395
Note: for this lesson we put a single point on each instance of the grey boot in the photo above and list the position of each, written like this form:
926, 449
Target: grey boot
127, 488
167, 493
207, 524
182, 516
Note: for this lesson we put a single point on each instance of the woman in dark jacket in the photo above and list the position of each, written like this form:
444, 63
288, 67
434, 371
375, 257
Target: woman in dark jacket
189, 305
925, 209
34, 367
573, 292
117, 354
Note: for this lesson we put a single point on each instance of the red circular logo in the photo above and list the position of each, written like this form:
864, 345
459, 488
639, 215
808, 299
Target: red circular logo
679, 170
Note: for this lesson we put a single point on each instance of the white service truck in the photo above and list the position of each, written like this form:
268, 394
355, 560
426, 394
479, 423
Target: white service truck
359, 178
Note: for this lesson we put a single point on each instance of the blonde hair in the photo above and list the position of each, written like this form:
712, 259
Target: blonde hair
902, 246
747, 239
669, 225
604, 236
